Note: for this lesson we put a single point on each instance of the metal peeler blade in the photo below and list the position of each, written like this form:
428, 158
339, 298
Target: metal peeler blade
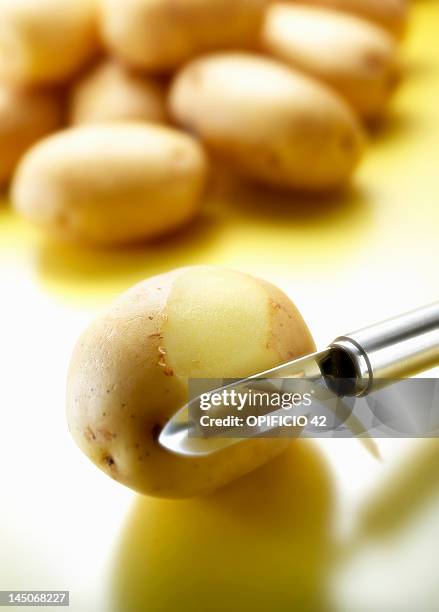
353, 365
176, 435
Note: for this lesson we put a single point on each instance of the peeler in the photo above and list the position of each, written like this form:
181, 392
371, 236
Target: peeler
353, 365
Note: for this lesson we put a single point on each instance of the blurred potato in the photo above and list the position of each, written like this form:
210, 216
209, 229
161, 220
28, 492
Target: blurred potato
159, 35
45, 41
111, 184
268, 122
355, 57
390, 14
109, 92
25, 117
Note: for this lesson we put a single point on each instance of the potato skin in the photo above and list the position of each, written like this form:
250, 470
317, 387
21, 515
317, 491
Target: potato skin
46, 41
129, 373
111, 184
269, 122
158, 35
389, 14
109, 92
355, 57
25, 117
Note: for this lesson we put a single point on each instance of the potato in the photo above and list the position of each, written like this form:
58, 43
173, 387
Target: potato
266, 539
269, 122
389, 14
108, 92
159, 35
355, 57
25, 117
45, 40
111, 184
130, 369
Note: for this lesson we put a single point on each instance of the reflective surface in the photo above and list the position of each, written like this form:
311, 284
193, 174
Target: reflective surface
347, 260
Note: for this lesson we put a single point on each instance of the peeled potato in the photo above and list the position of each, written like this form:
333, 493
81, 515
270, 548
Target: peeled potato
109, 92
159, 35
130, 369
355, 57
25, 117
111, 184
267, 121
45, 40
389, 14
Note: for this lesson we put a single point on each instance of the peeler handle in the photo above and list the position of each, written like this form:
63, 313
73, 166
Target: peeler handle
397, 348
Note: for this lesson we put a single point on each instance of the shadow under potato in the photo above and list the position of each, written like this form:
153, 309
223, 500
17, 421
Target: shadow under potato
392, 126
86, 271
263, 543
235, 211
298, 209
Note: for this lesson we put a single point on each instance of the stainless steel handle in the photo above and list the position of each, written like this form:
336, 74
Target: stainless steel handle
396, 348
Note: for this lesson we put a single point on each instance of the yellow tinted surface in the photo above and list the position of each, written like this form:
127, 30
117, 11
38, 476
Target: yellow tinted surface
347, 261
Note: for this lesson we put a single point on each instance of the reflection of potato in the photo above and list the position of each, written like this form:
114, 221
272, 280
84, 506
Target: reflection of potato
261, 544
111, 184
354, 56
110, 93
160, 35
390, 14
45, 40
25, 117
269, 122
129, 373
